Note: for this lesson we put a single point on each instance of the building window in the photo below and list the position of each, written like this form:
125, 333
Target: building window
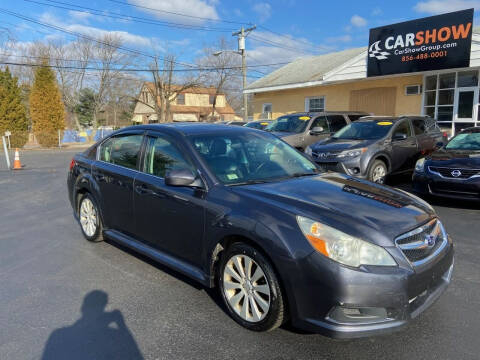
267, 108
211, 99
181, 99
451, 97
413, 89
315, 104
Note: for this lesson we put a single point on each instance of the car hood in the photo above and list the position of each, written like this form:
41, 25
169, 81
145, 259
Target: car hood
332, 144
369, 211
455, 158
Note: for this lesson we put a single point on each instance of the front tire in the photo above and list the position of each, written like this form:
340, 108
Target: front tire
250, 289
89, 219
377, 172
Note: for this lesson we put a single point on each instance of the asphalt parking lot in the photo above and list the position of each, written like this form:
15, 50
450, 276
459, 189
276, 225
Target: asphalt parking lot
53, 284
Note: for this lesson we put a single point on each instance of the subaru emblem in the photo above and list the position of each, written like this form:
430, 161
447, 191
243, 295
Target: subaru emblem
456, 173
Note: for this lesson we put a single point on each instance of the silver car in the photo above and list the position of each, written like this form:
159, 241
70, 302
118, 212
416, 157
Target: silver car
303, 129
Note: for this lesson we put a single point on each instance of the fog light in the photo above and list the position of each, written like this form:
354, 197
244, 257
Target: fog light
357, 315
355, 171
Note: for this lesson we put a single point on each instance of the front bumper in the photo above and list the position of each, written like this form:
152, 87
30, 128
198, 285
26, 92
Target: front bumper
352, 166
431, 184
401, 293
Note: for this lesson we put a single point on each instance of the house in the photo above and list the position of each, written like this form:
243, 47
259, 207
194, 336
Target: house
338, 81
194, 104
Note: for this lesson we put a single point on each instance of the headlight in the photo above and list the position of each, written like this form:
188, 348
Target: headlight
420, 165
351, 153
308, 151
342, 247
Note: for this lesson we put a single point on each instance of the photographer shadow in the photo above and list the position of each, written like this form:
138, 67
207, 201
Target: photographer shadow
98, 334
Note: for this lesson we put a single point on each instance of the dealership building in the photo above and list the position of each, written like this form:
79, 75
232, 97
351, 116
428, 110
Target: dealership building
427, 66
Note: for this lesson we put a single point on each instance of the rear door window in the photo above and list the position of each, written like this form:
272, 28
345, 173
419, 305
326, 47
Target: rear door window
162, 155
122, 150
336, 122
418, 126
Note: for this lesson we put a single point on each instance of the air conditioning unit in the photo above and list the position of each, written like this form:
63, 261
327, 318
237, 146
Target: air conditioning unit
266, 116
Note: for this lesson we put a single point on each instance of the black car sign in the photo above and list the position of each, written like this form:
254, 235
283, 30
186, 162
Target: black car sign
432, 43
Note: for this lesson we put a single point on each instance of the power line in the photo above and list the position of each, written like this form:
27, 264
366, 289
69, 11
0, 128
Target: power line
89, 68
115, 15
177, 13
122, 48
205, 68
279, 45
288, 37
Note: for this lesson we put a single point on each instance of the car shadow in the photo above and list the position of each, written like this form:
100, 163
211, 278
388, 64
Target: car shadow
98, 334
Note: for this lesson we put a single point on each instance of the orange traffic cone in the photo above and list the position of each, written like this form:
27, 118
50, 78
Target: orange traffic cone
16, 163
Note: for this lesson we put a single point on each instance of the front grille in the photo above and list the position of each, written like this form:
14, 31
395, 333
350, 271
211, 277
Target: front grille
325, 155
422, 243
454, 173
330, 166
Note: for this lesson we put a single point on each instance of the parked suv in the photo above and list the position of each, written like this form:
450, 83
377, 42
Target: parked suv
373, 147
241, 210
303, 129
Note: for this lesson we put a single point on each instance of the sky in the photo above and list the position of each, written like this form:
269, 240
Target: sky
286, 29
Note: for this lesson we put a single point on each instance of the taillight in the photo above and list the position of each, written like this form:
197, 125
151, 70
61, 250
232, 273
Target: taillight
445, 134
72, 164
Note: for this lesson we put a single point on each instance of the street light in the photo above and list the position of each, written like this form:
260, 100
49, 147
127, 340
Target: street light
241, 51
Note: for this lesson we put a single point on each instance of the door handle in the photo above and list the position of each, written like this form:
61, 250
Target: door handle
142, 189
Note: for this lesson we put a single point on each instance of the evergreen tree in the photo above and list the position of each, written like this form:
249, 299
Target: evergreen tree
46, 107
85, 107
13, 115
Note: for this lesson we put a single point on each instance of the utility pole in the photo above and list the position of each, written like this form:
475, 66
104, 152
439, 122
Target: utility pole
242, 34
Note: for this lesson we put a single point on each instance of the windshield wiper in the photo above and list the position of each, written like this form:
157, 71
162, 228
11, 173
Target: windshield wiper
296, 175
250, 182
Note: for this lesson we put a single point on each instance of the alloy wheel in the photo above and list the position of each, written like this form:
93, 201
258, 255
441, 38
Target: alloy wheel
88, 217
378, 174
246, 288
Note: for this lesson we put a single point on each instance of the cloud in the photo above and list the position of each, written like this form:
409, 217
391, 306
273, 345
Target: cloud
358, 21
377, 11
237, 12
343, 39
196, 8
79, 16
95, 32
264, 10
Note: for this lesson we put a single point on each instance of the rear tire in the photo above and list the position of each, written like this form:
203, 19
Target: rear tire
250, 289
89, 219
377, 172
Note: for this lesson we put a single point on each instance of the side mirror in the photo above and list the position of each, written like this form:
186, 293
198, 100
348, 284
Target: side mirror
317, 130
399, 136
182, 177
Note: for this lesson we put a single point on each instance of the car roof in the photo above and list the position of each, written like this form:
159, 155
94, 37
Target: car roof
474, 129
190, 128
391, 118
313, 114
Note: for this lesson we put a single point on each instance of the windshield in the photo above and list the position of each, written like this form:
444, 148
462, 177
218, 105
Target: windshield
290, 123
364, 130
248, 157
465, 141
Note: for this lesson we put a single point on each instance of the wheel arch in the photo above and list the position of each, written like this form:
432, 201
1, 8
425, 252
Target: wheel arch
383, 157
230, 239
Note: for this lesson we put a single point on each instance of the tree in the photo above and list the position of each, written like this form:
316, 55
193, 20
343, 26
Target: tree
46, 107
225, 65
86, 107
167, 87
13, 115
